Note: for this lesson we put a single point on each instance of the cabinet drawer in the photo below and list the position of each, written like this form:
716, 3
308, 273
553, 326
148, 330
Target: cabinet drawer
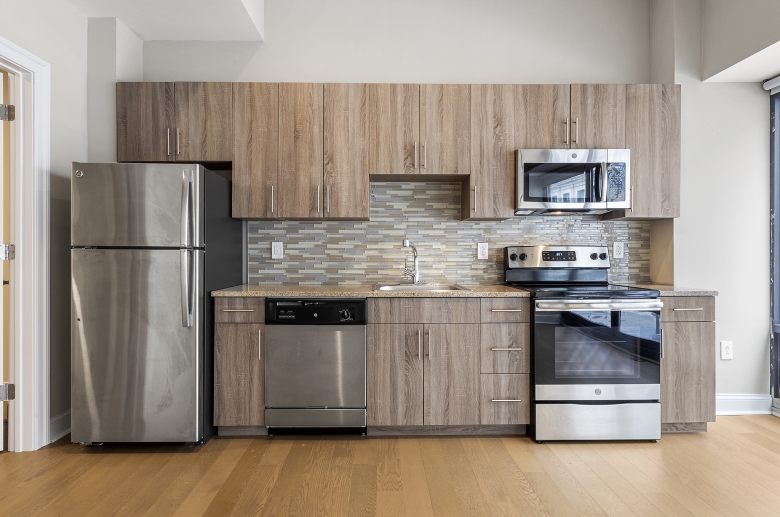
505, 347
505, 399
423, 310
500, 310
688, 308
239, 310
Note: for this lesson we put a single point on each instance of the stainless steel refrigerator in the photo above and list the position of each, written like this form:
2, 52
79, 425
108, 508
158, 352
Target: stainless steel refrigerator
149, 244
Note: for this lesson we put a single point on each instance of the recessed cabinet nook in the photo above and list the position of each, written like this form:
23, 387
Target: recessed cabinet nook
307, 151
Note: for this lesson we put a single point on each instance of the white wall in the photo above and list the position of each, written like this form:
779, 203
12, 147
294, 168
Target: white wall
725, 206
55, 31
449, 41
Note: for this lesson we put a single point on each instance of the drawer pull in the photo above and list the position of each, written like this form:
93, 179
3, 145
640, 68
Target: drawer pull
238, 310
506, 400
697, 309
506, 349
506, 310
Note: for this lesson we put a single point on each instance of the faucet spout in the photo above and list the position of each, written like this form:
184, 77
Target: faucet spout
415, 274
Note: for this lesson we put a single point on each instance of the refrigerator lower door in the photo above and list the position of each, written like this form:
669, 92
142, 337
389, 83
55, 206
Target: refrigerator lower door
135, 362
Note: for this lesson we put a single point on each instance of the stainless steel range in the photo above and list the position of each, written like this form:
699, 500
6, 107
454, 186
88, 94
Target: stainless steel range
596, 346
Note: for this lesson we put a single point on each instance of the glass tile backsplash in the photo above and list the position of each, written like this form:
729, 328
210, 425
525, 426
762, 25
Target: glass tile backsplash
344, 253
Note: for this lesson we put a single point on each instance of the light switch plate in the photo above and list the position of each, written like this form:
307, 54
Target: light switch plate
618, 249
482, 250
277, 251
726, 350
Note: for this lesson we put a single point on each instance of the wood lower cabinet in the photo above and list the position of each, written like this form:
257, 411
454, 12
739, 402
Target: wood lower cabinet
239, 370
445, 129
490, 191
505, 399
451, 378
395, 374
256, 142
505, 347
394, 128
598, 116
204, 122
145, 122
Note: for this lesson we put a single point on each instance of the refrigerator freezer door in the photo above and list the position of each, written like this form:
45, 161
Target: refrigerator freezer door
136, 366
137, 205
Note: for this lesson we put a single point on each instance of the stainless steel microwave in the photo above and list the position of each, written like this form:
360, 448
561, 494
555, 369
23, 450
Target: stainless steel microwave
572, 181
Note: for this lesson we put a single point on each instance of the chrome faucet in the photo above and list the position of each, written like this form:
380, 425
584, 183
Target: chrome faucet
414, 273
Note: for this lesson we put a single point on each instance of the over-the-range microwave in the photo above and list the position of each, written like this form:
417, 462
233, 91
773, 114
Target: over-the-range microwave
572, 181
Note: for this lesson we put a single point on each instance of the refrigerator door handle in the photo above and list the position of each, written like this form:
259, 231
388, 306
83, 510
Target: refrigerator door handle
186, 192
186, 289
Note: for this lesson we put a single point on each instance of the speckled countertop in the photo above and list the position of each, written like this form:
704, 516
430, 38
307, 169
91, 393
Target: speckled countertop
343, 291
676, 290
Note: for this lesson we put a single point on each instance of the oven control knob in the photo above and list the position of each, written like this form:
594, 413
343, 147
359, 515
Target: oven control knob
594, 256
513, 256
345, 315
523, 256
603, 256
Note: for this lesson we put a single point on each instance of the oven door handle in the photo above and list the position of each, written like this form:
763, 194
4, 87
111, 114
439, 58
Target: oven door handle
652, 304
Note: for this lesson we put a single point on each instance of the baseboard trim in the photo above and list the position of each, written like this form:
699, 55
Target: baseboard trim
242, 430
743, 404
59, 426
447, 430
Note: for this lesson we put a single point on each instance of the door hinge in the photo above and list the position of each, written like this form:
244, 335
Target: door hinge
7, 392
7, 251
7, 112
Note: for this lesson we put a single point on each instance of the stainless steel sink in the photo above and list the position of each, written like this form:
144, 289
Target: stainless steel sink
419, 287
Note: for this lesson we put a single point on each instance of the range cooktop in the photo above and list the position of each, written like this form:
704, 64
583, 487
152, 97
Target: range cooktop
587, 291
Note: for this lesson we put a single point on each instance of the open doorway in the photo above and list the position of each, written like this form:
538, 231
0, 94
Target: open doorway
5, 176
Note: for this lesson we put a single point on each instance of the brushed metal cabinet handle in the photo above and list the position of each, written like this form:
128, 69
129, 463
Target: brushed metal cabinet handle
506, 310
506, 349
430, 345
327, 198
425, 155
259, 344
168, 142
506, 400
178, 138
318, 199
272, 199
566, 134
577, 130
238, 310
419, 344
416, 146
662, 343
475, 198
696, 309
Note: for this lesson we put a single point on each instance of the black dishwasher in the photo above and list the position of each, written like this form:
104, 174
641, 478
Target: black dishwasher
315, 363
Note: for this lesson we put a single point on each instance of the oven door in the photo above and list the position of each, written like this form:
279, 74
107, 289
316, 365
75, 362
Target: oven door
562, 179
597, 349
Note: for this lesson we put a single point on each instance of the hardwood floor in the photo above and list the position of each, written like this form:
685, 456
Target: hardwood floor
734, 469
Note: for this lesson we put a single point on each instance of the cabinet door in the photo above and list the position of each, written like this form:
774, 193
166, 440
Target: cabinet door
256, 136
300, 150
346, 151
490, 192
688, 372
542, 116
653, 135
451, 374
394, 128
395, 375
598, 116
238, 374
204, 122
445, 129
145, 126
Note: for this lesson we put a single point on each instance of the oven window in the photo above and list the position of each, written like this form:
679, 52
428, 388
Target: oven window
560, 183
592, 347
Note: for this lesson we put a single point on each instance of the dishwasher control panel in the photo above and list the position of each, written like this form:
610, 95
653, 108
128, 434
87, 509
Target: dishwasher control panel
315, 311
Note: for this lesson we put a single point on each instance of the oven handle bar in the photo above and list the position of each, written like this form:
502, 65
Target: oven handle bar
652, 304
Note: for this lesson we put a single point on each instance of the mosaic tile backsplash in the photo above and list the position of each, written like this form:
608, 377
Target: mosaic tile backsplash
344, 253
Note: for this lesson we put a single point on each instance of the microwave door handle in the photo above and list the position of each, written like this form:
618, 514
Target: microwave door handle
604, 182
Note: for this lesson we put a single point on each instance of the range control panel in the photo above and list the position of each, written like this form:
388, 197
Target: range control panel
311, 311
556, 257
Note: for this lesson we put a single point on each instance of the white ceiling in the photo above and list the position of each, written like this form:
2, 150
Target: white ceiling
759, 67
201, 20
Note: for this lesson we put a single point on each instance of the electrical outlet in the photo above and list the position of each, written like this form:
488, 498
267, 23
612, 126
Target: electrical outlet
277, 251
618, 249
726, 350
482, 250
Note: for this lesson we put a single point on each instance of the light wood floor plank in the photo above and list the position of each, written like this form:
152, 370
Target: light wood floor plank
444, 501
417, 498
470, 499
579, 498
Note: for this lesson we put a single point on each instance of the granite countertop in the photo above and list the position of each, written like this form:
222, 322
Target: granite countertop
365, 290
676, 290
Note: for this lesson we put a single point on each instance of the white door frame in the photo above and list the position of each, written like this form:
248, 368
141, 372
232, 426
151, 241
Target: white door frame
28, 414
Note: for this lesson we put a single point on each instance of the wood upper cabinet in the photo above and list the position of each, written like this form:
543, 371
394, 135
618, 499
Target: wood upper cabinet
256, 162
300, 150
653, 135
542, 116
394, 128
346, 151
451, 376
598, 116
204, 122
394, 374
145, 123
445, 129
490, 191
239, 370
